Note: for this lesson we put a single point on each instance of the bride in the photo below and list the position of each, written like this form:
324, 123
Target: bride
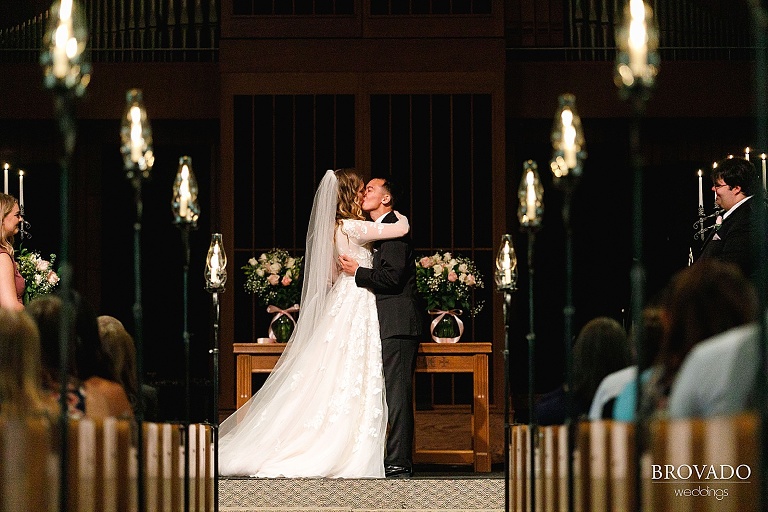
322, 411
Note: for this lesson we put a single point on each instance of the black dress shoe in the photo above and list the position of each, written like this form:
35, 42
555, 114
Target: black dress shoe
393, 471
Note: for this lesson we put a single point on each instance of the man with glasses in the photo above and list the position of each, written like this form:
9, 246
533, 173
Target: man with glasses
735, 182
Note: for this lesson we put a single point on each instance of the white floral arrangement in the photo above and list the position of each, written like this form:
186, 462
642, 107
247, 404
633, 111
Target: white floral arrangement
446, 281
40, 278
275, 278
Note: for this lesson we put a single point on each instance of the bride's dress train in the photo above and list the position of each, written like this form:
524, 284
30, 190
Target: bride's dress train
326, 414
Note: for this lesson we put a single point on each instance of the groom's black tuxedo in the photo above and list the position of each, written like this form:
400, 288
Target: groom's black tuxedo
393, 279
733, 241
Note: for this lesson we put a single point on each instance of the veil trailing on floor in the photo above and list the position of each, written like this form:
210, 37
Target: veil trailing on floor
319, 273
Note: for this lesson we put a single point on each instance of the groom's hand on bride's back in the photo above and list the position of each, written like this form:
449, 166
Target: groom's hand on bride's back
348, 264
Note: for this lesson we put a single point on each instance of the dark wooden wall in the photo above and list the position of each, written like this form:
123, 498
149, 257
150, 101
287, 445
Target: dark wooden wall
475, 82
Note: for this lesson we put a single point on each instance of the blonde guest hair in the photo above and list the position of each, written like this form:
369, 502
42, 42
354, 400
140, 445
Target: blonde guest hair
349, 206
6, 206
119, 346
20, 366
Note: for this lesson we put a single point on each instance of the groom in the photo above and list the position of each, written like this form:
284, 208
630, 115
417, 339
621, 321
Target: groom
392, 279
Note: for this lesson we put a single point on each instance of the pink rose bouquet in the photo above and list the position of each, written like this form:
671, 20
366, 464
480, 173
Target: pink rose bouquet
275, 278
446, 282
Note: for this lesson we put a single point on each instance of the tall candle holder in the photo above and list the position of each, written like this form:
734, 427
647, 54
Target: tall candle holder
637, 64
506, 282
215, 278
138, 158
530, 212
66, 73
567, 164
185, 214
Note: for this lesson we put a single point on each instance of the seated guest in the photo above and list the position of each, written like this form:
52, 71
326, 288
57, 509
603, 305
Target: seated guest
119, 346
613, 384
93, 390
21, 390
601, 348
719, 376
702, 300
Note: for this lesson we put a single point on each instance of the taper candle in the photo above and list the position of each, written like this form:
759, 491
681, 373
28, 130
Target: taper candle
21, 189
701, 188
530, 197
762, 157
215, 266
5, 181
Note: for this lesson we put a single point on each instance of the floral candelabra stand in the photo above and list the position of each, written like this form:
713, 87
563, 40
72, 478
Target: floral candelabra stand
530, 213
215, 278
568, 155
138, 158
637, 64
186, 212
506, 282
67, 74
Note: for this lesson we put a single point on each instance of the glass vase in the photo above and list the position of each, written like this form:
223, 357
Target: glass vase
447, 327
282, 326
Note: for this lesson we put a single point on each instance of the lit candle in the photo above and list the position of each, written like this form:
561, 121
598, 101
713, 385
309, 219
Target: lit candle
5, 181
701, 189
21, 189
137, 141
215, 265
184, 194
569, 139
62, 41
530, 197
762, 157
507, 268
638, 38
746, 153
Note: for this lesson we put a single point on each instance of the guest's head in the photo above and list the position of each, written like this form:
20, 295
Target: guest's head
86, 357
11, 216
119, 346
702, 300
600, 348
20, 370
733, 180
350, 187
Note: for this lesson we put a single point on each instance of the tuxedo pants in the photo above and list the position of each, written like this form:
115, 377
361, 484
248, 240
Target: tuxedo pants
399, 358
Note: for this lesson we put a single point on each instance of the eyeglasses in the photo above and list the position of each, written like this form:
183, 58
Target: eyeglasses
716, 186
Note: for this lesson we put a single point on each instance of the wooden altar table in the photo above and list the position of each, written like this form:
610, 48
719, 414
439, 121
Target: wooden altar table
432, 358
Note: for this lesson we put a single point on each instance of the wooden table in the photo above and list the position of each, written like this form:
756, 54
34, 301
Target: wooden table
433, 358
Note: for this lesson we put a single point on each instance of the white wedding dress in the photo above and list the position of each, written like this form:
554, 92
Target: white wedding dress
323, 413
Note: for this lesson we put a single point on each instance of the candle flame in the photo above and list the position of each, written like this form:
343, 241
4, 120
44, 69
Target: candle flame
700, 173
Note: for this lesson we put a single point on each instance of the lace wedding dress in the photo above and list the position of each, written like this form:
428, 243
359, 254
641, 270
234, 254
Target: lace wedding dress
322, 411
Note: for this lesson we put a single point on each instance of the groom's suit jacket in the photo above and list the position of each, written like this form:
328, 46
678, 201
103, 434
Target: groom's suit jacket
393, 280
733, 242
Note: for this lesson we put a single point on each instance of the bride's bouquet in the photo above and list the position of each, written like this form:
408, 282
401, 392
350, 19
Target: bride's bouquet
39, 276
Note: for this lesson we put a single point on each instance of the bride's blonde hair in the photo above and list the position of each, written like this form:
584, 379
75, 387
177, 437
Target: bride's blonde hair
348, 206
